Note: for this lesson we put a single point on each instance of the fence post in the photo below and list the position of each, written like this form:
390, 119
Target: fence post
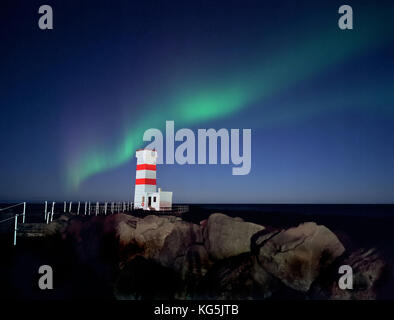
105, 209
15, 228
24, 212
69, 208
97, 204
53, 210
89, 209
46, 210
86, 205
79, 205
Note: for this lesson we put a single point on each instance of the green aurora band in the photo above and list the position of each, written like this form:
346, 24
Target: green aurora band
219, 95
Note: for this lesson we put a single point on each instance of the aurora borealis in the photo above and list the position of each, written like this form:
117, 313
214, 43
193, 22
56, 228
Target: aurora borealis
88, 91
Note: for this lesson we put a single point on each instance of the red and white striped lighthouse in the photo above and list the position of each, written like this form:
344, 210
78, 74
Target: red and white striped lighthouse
145, 180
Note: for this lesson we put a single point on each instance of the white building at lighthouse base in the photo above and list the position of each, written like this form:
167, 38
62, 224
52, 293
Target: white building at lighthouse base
160, 200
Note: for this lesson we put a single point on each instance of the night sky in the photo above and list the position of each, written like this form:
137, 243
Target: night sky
76, 100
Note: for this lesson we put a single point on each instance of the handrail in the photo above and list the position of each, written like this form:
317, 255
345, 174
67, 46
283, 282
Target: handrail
10, 218
15, 205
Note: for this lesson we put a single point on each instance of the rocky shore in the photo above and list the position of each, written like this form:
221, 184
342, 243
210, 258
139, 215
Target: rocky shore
164, 257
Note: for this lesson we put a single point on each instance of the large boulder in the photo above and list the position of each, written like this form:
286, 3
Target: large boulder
125, 233
194, 265
368, 267
183, 251
124, 226
183, 235
226, 237
296, 256
238, 278
151, 232
143, 279
230, 279
58, 226
196, 262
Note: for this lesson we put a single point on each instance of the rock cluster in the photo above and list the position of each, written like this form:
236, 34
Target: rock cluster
296, 256
228, 258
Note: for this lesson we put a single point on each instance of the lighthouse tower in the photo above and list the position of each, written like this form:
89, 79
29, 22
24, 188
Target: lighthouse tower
145, 178
146, 195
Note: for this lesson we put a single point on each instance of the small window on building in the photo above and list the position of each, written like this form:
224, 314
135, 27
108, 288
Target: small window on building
154, 199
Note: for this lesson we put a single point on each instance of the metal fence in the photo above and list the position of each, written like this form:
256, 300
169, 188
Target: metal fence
37, 213
15, 214
176, 210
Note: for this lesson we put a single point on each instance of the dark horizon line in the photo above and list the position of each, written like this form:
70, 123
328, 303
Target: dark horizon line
204, 203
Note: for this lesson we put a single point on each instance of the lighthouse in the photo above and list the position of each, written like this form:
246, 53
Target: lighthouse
146, 195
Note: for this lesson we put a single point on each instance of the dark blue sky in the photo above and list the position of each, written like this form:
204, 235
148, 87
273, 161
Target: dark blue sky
319, 101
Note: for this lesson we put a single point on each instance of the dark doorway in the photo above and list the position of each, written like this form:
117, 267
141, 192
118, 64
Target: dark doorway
149, 201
